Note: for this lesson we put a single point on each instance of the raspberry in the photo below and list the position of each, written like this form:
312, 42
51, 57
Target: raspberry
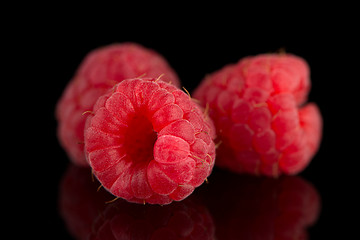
149, 142
100, 70
258, 112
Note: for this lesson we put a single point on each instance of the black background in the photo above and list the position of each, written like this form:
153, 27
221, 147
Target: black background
48, 55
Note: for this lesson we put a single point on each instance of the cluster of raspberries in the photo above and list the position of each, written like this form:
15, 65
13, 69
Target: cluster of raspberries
148, 141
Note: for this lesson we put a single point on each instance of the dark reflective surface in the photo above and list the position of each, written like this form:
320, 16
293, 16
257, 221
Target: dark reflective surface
245, 207
230, 206
49, 56
88, 214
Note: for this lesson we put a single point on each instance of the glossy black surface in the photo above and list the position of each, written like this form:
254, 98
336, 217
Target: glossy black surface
229, 206
233, 205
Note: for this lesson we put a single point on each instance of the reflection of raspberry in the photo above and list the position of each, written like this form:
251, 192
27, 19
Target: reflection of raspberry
261, 208
254, 105
179, 221
87, 215
79, 202
149, 142
101, 70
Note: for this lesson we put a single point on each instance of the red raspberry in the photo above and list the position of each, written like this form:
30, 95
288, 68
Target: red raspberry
100, 70
149, 142
255, 105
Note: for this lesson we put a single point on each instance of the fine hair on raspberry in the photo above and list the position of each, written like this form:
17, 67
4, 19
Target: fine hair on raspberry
148, 142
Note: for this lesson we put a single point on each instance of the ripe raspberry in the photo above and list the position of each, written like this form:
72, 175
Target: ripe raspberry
149, 142
100, 70
257, 109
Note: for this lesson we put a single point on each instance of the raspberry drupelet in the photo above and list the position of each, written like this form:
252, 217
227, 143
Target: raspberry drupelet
148, 142
101, 69
258, 108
